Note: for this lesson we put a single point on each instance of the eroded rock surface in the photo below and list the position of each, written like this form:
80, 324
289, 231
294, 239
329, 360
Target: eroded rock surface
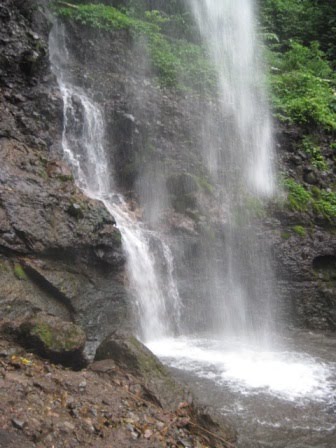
60, 252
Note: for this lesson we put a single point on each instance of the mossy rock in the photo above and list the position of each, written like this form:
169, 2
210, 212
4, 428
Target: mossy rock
131, 355
19, 272
61, 342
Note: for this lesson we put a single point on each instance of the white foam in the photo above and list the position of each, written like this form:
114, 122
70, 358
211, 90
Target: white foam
289, 375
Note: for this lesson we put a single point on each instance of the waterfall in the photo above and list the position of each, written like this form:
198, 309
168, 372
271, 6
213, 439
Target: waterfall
155, 295
238, 152
221, 268
228, 29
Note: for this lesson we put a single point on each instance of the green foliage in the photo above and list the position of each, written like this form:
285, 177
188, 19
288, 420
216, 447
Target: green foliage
324, 203
177, 62
302, 79
298, 197
299, 230
301, 92
303, 21
308, 59
319, 201
311, 148
287, 18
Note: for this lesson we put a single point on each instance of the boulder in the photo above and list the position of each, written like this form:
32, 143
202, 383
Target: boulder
131, 355
61, 342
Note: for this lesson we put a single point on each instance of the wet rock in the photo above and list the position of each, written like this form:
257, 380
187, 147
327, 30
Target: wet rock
310, 177
130, 354
61, 342
76, 211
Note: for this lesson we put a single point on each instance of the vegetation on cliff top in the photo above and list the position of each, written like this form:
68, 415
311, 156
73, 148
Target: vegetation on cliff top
177, 62
301, 52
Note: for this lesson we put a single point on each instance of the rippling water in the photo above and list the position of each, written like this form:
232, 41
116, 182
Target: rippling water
281, 398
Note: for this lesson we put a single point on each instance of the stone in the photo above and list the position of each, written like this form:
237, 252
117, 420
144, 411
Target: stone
76, 211
59, 341
18, 424
130, 354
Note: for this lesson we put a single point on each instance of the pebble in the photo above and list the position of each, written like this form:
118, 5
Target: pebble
18, 424
148, 434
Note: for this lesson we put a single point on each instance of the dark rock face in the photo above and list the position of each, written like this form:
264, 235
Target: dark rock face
60, 252
303, 243
305, 269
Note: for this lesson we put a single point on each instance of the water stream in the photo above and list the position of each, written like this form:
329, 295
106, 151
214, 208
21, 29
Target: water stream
155, 296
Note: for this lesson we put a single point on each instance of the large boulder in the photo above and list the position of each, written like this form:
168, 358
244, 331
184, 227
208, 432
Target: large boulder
128, 353
61, 342
131, 355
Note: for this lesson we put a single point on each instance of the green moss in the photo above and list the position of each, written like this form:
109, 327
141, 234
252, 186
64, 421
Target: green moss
147, 362
205, 185
54, 340
299, 230
65, 177
298, 197
19, 272
285, 235
117, 238
44, 332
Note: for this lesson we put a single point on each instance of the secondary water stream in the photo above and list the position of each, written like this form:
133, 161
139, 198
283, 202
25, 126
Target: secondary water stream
155, 296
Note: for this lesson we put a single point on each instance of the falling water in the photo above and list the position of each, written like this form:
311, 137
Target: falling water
155, 296
238, 152
228, 29
240, 355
